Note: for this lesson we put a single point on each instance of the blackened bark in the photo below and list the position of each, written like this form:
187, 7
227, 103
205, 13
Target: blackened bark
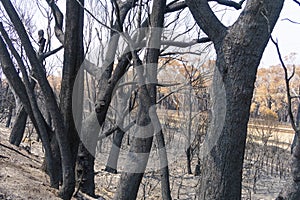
146, 121
73, 58
86, 154
112, 161
139, 149
189, 130
121, 102
28, 100
9, 116
164, 166
107, 80
85, 170
19, 126
152, 56
39, 73
59, 18
239, 50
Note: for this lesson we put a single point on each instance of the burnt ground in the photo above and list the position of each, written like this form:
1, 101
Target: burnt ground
265, 173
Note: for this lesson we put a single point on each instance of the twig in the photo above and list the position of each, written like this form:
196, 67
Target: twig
230, 3
95, 18
115, 128
49, 53
297, 2
12, 149
287, 82
287, 19
4, 157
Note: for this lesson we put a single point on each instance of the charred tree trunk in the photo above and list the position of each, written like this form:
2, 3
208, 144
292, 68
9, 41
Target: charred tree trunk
164, 166
73, 58
19, 126
85, 170
9, 116
189, 130
239, 49
139, 150
146, 118
112, 162
121, 102
157, 21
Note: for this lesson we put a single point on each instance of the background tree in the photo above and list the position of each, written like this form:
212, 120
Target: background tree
292, 190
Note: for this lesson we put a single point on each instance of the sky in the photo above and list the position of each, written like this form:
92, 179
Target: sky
287, 34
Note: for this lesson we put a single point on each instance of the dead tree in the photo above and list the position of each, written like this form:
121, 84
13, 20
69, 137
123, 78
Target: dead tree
239, 49
292, 190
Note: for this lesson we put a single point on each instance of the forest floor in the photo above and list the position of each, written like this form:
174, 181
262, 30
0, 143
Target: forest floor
21, 176
20, 173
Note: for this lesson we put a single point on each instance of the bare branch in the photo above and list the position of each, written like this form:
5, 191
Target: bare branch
172, 7
229, 3
293, 73
185, 44
59, 18
95, 18
297, 2
207, 20
287, 19
49, 53
115, 128
287, 82
180, 53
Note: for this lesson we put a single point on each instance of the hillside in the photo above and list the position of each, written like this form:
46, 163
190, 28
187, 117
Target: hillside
20, 175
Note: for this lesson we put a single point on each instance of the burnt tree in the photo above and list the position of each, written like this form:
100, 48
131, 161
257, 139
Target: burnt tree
239, 49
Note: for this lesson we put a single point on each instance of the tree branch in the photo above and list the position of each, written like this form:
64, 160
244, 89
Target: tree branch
297, 2
49, 53
185, 44
59, 18
207, 20
115, 128
287, 19
287, 83
173, 7
18, 152
229, 3
95, 18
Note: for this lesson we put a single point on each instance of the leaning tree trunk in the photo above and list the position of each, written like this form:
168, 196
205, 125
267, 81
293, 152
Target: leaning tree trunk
9, 115
239, 50
121, 102
19, 126
112, 161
